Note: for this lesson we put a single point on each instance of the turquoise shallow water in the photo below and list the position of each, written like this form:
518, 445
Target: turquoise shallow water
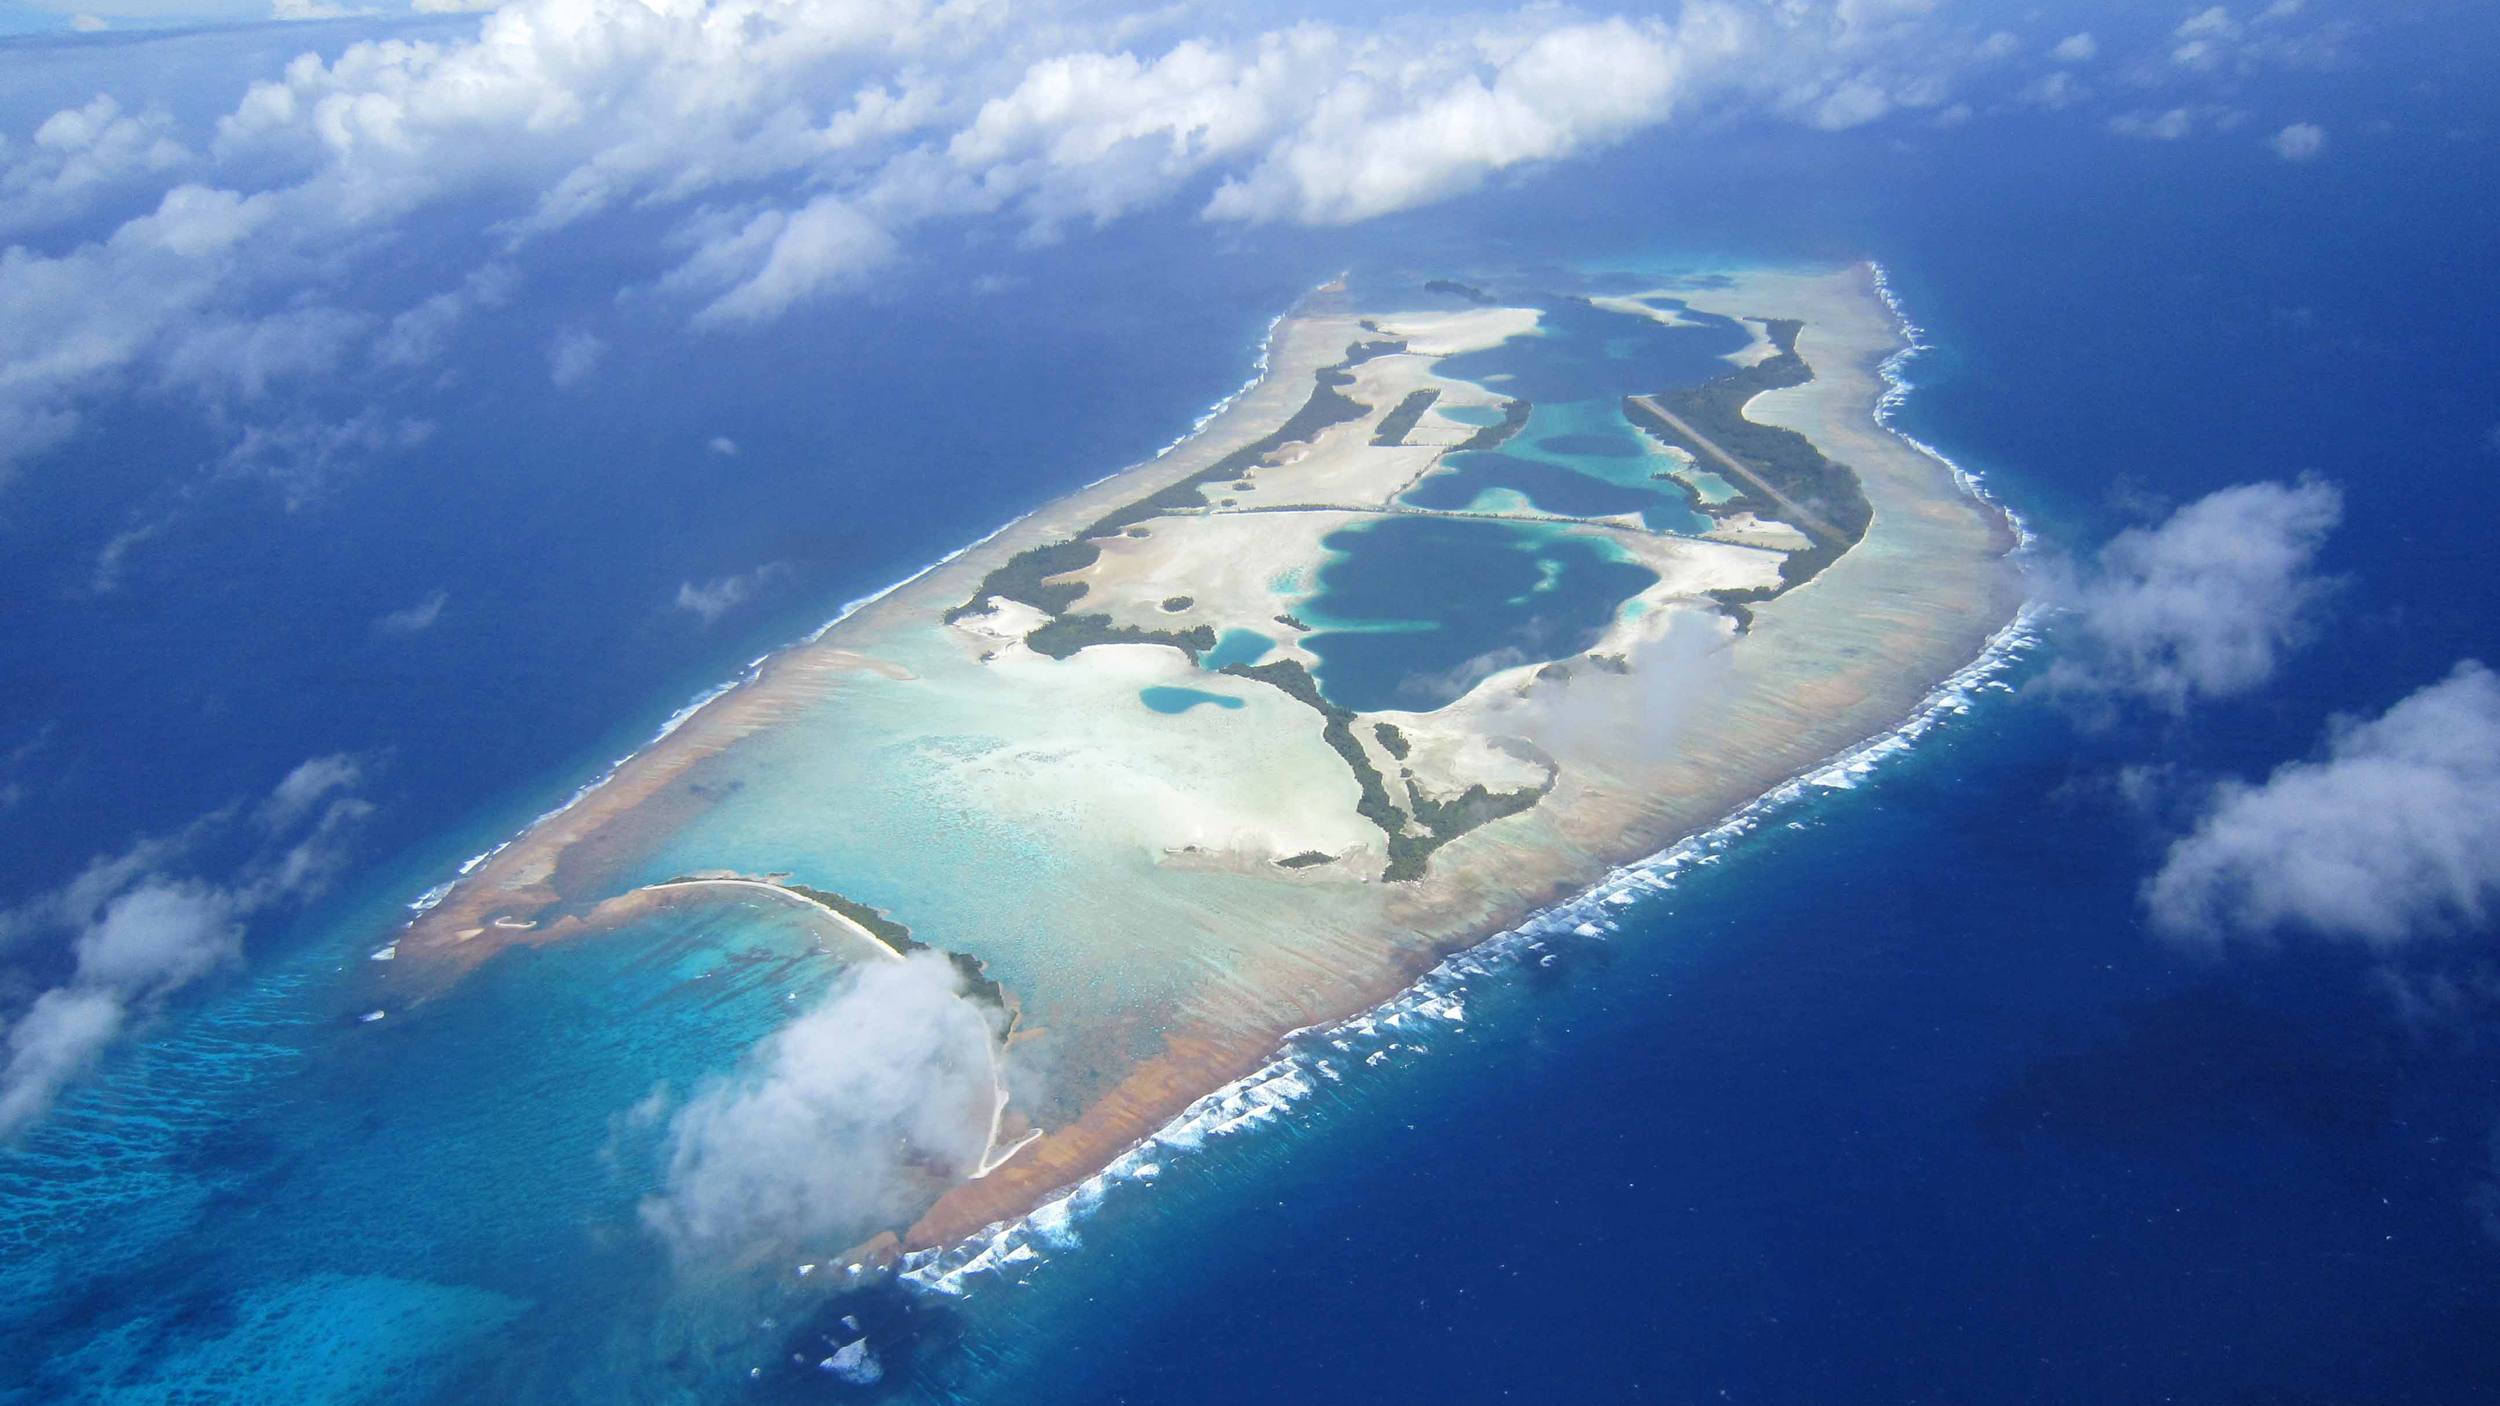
1577, 455
1412, 612
1917, 1110
1236, 647
398, 1202
1164, 698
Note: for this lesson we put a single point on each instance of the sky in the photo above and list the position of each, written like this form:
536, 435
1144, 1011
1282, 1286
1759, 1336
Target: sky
276, 232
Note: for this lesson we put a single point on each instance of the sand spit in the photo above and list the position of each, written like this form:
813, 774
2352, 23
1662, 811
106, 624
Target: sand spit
1119, 869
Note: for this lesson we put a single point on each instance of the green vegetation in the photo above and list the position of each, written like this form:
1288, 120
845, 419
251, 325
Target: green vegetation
1459, 290
1781, 459
1293, 622
1514, 415
1392, 741
1395, 425
1023, 577
1063, 635
977, 985
885, 929
888, 931
1304, 860
1295, 682
1026, 576
1444, 820
1784, 459
1447, 820
1177, 604
979, 989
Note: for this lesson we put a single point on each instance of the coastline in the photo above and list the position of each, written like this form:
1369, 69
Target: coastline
1828, 667
741, 706
1634, 812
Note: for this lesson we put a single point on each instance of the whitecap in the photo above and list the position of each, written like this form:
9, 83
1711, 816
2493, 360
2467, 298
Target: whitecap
1268, 1094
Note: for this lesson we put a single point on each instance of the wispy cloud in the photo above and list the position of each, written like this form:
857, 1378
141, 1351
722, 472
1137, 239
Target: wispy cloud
573, 357
412, 619
143, 925
722, 594
2392, 834
305, 457
2177, 122
2301, 141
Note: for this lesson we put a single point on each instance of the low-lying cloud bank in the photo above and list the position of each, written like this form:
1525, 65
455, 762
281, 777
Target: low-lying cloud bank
2205, 605
783, 151
142, 928
2393, 834
846, 1121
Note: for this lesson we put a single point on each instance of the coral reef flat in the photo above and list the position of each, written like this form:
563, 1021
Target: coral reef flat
1001, 753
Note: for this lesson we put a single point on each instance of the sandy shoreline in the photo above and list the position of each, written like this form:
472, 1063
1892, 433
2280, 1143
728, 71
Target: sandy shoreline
1825, 666
517, 875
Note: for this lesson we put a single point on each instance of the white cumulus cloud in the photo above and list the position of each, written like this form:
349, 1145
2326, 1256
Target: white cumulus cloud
2393, 833
2204, 605
846, 1121
80, 153
779, 154
2298, 142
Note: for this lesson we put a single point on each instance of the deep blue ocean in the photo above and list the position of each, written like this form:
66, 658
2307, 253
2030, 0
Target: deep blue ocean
1898, 1100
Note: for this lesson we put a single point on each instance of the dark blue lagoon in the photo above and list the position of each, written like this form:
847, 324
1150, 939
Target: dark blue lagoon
1577, 456
1900, 1099
1588, 352
1413, 611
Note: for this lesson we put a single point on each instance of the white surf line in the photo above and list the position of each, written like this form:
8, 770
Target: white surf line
432, 897
1268, 1093
1304, 1057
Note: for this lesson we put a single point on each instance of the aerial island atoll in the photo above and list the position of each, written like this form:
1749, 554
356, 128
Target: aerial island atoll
1474, 596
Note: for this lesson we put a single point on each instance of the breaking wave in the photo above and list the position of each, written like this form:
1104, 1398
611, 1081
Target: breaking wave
754, 669
1004, 1251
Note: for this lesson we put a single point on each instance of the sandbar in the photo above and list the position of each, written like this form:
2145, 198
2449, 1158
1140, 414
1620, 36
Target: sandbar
1168, 896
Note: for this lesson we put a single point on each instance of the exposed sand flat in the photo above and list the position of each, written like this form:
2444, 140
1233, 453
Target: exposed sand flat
1449, 333
1114, 866
1759, 532
1632, 305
